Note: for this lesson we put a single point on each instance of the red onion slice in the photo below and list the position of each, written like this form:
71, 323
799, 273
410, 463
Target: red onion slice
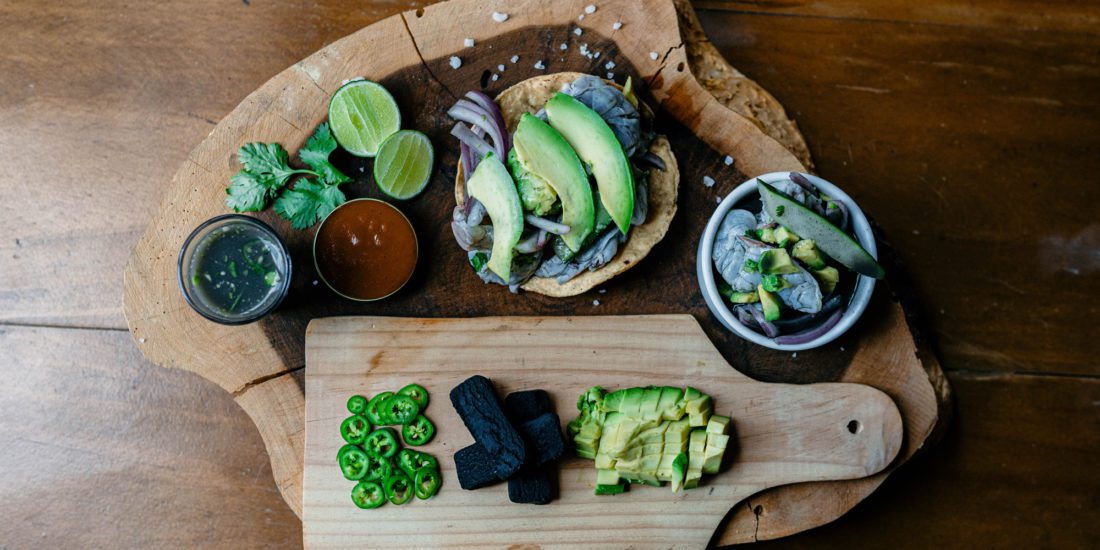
547, 225
534, 243
811, 334
493, 109
481, 120
467, 136
769, 329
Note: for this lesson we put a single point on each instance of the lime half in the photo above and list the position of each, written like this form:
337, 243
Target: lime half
362, 115
404, 164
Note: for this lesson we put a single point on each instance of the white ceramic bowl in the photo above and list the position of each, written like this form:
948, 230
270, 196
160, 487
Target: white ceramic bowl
704, 265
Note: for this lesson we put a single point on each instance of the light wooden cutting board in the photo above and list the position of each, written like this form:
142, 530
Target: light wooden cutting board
784, 433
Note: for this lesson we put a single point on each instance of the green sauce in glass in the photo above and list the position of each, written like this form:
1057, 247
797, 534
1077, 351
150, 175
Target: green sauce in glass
236, 269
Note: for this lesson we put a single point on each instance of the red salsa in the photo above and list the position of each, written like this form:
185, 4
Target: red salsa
365, 249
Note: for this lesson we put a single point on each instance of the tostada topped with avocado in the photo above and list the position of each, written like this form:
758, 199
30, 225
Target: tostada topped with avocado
576, 186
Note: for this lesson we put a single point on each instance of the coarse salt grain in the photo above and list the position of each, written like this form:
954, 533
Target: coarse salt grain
653, 56
590, 9
455, 62
495, 77
708, 181
500, 67
595, 302
602, 291
610, 65
718, 200
469, 42
141, 340
577, 31
611, 76
540, 65
500, 17
618, 25
580, 17
795, 354
514, 58
728, 160
564, 46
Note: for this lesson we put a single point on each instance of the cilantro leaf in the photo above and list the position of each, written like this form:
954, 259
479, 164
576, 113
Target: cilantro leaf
316, 152
268, 159
248, 192
308, 202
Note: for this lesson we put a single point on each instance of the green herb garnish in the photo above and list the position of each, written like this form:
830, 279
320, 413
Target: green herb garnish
779, 210
233, 268
751, 266
478, 261
270, 278
770, 282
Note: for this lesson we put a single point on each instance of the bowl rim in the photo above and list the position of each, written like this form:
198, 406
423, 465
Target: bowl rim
416, 251
861, 294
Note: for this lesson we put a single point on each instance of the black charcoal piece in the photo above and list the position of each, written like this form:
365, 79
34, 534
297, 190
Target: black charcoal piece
532, 486
478, 406
475, 467
544, 439
522, 406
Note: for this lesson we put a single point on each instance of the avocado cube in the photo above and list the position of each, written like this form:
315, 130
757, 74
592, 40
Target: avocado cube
669, 405
698, 442
675, 448
694, 471
679, 471
650, 404
768, 235
769, 302
744, 297
776, 261
699, 420
607, 477
827, 277
699, 405
717, 441
712, 462
604, 461
784, 236
806, 251
613, 489
718, 425
678, 431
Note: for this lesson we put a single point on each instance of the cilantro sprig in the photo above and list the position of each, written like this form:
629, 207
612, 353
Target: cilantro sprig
267, 174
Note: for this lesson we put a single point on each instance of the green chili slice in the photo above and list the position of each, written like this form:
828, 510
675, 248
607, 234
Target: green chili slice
354, 429
426, 483
353, 462
406, 460
374, 408
399, 409
382, 443
377, 468
425, 460
417, 393
419, 432
398, 488
368, 494
357, 404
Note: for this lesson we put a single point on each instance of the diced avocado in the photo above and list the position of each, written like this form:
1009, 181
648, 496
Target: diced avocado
607, 477
698, 441
784, 236
768, 235
643, 480
770, 302
712, 456
744, 297
699, 419
810, 225
679, 471
827, 278
670, 403
618, 488
717, 441
491, 184
626, 401
675, 448
649, 408
677, 431
597, 146
548, 157
604, 461
806, 251
776, 261
695, 459
699, 405
535, 195
718, 425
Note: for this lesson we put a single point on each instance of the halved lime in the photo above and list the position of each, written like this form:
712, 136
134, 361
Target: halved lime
362, 115
404, 164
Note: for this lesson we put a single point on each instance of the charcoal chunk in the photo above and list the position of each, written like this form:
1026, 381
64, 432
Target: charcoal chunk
544, 439
522, 406
532, 486
477, 404
475, 467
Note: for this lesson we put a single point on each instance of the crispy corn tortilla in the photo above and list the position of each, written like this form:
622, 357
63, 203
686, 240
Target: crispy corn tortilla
528, 97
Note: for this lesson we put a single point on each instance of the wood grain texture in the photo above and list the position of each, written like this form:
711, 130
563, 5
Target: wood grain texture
784, 433
100, 449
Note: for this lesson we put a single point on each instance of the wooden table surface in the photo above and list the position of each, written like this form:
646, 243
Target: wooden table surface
978, 125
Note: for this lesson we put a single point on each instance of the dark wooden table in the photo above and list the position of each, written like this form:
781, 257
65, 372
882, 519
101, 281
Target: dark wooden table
979, 123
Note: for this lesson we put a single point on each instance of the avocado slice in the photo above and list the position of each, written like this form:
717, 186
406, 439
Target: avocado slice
670, 403
598, 147
811, 225
546, 156
607, 477
784, 236
776, 261
491, 184
718, 425
827, 277
695, 459
767, 235
715, 450
770, 303
806, 251
743, 297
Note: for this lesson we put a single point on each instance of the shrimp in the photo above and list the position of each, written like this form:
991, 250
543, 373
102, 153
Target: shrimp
730, 251
801, 292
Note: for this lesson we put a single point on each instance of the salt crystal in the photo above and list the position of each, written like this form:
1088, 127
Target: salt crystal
141, 340
580, 17
611, 76
577, 31
500, 67
708, 181
610, 65
794, 355
603, 291
597, 55
540, 65
618, 25
841, 348
469, 42
718, 200
728, 160
916, 232
455, 62
500, 17
514, 58
315, 282
653, 56
595, 302
495, 77
590, 9
564, 46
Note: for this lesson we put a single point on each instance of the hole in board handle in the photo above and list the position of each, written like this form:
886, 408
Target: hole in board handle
854, 427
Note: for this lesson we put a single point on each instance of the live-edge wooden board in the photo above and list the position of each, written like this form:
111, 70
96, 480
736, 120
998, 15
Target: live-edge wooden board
409, 54
782, 433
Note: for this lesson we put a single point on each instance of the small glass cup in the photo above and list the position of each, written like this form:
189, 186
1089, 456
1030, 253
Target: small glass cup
198, 244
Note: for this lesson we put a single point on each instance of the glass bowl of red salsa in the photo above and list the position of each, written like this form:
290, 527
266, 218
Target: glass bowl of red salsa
365, 250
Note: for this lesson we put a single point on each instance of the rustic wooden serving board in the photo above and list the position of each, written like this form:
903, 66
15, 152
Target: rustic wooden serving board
783, 433
261, 363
